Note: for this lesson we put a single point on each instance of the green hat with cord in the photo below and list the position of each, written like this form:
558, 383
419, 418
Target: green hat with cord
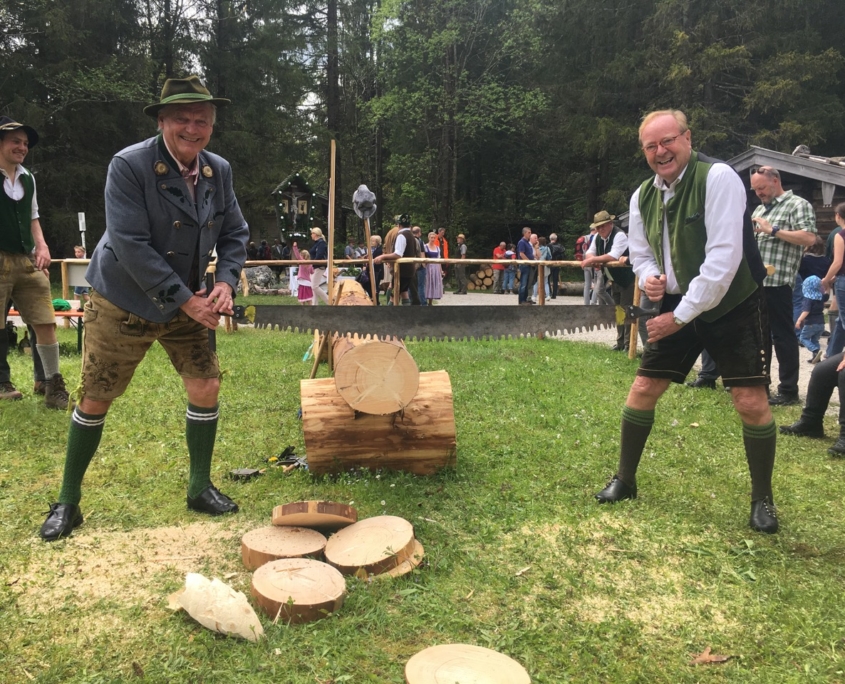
189, 90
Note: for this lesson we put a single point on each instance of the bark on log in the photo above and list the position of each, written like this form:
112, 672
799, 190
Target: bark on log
298, 589
374, 376
374, 545
420, 440
352, 294
272, 543
324, 514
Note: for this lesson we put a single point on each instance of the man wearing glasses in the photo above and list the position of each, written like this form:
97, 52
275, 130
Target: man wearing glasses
785, 224
692, 249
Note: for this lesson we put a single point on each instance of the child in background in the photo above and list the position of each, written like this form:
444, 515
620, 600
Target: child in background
303, 278
80, 292
811, 320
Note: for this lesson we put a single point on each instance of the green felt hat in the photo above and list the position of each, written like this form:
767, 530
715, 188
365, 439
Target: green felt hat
189, 90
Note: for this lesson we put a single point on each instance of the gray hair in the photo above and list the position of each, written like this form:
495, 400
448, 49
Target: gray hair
553, 237
767, 171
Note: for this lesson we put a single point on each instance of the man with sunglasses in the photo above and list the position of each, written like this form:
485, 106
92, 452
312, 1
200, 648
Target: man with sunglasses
692, 249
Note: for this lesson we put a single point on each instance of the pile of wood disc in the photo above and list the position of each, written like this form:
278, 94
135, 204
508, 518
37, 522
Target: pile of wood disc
384, 545
463, 663
292, 583
482, 279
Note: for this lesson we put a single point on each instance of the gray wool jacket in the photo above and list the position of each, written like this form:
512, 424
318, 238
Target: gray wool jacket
157, 238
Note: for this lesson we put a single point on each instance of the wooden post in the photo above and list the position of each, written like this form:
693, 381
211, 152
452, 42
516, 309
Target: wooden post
331, 221
541, 284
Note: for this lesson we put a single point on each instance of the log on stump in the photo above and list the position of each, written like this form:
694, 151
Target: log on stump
374, 376
374, 545
298, 589
351, 293
272, 543
419, 440
327, 514
463, 663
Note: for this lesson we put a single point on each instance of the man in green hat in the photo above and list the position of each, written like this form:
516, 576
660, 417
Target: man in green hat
170, 207
25, 258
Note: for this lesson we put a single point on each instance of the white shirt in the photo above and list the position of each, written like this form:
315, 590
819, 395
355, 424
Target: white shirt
724, 208
399, 245
15, 190
617, 249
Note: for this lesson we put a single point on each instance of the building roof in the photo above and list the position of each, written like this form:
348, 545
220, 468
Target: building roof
825, 169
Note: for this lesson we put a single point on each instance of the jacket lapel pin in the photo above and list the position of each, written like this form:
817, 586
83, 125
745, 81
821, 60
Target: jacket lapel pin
207, 171
160, 168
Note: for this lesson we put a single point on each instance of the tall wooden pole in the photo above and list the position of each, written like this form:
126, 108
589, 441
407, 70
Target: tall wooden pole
331, 223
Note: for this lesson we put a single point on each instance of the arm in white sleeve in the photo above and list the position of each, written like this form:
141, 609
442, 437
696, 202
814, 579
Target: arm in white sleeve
723, 213
640, 254
35, 214
620, 244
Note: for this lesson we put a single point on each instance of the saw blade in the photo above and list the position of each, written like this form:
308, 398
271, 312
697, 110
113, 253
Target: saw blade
433, 322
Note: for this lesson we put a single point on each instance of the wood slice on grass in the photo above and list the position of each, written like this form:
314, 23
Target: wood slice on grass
322, 514
272, 543
298, 590
374, 376
374, 545
408, 564
420, 440
463, 664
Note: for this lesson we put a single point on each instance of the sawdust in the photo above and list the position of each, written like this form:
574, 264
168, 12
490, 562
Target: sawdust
135, 567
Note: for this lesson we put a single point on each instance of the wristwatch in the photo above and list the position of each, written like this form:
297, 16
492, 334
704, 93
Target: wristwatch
775, 230
679, 322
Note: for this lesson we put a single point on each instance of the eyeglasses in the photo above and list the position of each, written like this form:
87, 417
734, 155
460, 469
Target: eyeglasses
651, 148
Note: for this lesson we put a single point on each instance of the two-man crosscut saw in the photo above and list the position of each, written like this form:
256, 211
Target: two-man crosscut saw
439, 322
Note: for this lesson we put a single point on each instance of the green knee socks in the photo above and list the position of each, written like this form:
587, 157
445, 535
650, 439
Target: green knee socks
636, 426
82, 442
200, 432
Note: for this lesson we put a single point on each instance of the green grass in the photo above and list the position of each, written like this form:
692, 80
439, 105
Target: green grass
625, 593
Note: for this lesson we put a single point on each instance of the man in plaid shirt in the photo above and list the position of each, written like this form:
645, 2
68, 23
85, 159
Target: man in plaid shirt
785, 224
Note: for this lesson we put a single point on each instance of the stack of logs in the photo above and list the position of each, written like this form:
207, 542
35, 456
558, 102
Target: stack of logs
482, 279
378, 410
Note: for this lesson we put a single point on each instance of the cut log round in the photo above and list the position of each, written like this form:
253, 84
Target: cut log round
463, 663
298, 589
376, 377
488, 272
488, 282
471, 286
420, 440
407, 565
272, 543
374, 545
323, 514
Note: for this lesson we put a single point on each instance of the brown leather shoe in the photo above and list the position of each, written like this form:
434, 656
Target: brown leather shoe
55, 393
9, 392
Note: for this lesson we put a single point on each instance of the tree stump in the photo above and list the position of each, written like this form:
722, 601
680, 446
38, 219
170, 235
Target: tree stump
463, 663
298, 590
421, 439
272, 543
324, 514
374, 545
408, 564
374, 376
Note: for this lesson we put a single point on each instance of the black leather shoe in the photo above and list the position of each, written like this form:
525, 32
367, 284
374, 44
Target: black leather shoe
210, 500
702, 382
616, 490
783, 400
804, 428
764, 517
838, 447
617, 347
61, 521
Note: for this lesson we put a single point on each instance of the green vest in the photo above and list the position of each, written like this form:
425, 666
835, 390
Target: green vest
623, 277
16, 219
688, 236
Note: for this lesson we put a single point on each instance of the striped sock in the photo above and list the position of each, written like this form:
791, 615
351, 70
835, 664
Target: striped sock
636, 427
82, 442
200, 432
760, 442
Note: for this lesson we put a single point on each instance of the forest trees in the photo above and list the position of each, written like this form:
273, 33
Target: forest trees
472, 114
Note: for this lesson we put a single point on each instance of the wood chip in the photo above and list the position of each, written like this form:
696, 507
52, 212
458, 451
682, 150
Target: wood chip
708, 658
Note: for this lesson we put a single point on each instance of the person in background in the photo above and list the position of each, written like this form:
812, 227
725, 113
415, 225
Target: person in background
80, 291
545, 254
416, 231
525, 257
811, 321
304, 293
558, 254
498, 269
461, 270
319, 252
834, 281
25, 256
433, 272
510, 271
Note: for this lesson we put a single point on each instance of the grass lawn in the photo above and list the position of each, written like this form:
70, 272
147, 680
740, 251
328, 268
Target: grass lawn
519, 558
